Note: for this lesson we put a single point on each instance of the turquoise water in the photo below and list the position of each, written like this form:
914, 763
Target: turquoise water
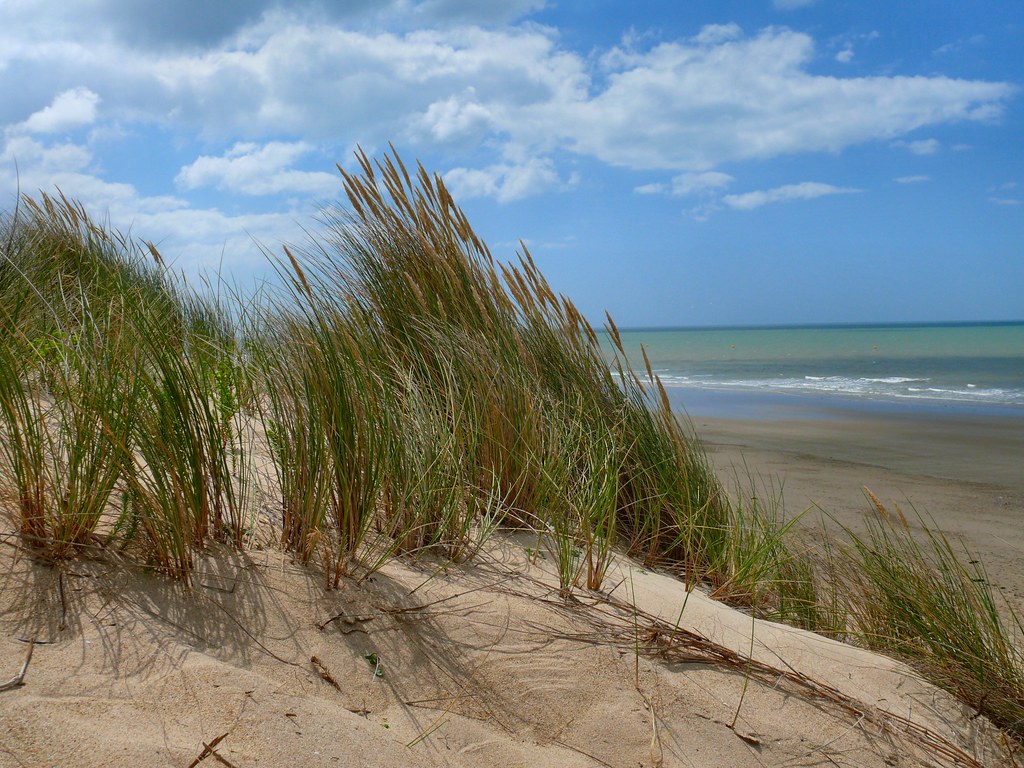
973, 365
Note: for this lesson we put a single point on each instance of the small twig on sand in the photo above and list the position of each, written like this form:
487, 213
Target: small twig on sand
440, 721
223, 760
396, 611
579, 751
19, 679
209, 749
63, 601
324, 672
344, 618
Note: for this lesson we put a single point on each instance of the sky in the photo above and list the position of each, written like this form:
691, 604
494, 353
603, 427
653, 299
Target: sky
675, 162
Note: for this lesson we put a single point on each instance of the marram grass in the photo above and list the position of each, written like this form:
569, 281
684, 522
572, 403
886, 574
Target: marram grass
913, 595
410, 395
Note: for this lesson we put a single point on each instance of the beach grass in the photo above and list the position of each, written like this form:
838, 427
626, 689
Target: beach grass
411, 395
912, 593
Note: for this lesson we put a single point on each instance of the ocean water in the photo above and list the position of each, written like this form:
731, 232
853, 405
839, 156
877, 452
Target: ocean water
967, 366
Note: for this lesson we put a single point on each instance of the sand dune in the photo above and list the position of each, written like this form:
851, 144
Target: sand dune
472, 665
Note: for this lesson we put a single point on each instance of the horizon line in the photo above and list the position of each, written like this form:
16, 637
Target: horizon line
822, 325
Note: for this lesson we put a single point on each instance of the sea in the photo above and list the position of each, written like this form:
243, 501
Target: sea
757, 372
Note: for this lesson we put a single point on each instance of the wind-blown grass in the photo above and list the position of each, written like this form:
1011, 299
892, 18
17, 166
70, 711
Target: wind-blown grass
118, 391
915, 596
411, 394
66, 389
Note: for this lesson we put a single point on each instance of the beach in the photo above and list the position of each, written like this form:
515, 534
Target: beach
927, 416
479, 664
964, 469
441, 533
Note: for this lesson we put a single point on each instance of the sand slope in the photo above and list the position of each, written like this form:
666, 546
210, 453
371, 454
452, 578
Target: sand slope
479, 665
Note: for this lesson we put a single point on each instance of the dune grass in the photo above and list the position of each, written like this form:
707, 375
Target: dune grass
410, 395
911, 593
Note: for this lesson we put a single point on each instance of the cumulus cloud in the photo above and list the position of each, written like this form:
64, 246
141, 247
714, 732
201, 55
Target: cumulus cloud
164, 24
683, 106
505, 182
845, 56
919, 147
506, 104
457, 118
317, 81
254, 169
696, 183
68, 110
651, 189
191, 238
474, 11
712, 34
805, 190
685, 184
701, 106
40, 158
192, 25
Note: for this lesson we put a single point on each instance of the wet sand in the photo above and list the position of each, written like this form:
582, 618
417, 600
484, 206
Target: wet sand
965, 470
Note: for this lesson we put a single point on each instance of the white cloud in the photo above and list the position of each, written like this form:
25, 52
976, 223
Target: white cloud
712, 34
68, 110
458, 118
695, 183
919, 147
912, 179
959, 45
474, 11
846, 44
190, 238
505, 182
1007, 201
34, 157
651, 189
806, 190
687, 107
252, 169
188, 25
726, 98
684, 184
505, 104
704, 211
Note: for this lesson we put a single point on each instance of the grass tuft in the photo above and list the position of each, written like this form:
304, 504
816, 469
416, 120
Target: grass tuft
911, 593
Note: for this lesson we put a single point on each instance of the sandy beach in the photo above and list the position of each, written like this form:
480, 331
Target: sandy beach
965, 470
257, 665
484, 664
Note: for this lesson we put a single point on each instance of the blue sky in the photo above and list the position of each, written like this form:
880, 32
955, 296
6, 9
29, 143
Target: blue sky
705, 162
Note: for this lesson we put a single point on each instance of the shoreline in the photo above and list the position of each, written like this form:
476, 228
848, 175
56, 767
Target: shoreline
960, 467
759, 404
